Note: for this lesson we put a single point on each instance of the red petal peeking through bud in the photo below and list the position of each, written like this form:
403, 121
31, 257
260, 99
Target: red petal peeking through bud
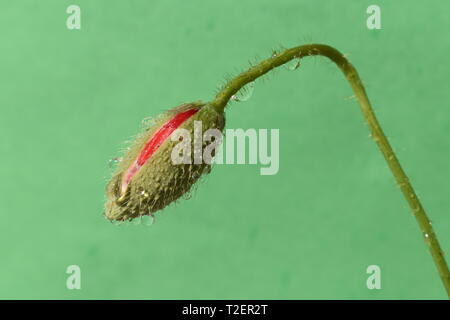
162, 134
154, 143
147, 179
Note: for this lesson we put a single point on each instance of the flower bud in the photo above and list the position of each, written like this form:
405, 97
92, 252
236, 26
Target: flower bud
147, 179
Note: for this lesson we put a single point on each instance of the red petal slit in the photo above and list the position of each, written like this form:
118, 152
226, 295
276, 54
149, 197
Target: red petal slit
154, 143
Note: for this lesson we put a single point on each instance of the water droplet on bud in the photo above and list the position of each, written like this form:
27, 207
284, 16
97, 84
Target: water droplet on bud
137, 221
113, 162
148, 122
117, 222
147, 220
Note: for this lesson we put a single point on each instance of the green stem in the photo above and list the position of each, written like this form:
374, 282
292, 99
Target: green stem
232, 87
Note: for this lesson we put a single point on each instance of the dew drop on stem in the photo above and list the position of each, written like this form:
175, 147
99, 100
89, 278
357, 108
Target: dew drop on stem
245, 93
292, 65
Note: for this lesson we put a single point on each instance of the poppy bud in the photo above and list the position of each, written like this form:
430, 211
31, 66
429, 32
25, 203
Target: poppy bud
147, 179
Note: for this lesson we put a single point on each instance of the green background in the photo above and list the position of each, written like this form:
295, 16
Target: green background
70, 98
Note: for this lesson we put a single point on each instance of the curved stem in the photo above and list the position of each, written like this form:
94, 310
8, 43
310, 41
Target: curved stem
232, 87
